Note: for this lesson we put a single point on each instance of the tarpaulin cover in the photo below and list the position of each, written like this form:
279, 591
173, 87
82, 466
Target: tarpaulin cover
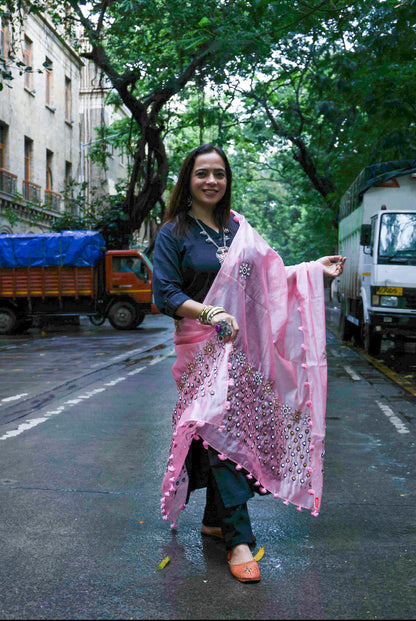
68, 249
376, 174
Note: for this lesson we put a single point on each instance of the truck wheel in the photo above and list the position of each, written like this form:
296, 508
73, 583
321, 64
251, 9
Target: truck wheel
123, 316
371, 340
8, 320
97, 320
345, 328
140, 317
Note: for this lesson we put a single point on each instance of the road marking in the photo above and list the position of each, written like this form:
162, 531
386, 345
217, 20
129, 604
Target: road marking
71, 402
115, 381
352, 374
139, 370
335, 353
393, 418
14, 398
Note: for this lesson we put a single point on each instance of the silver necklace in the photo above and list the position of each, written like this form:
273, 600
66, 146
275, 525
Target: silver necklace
221, 250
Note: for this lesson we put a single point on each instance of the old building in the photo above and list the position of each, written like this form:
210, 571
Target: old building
95, 113
39, 127
48, 123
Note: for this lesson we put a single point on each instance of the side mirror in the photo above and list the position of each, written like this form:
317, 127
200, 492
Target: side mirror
365, 236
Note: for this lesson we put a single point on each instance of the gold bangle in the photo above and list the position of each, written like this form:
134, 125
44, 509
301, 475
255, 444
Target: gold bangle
208, 312
202, 317
214, 311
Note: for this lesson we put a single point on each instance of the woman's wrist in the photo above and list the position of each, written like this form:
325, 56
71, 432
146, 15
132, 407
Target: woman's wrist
208, 312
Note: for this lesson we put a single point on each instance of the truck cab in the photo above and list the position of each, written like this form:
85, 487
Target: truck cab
127, 294
389, 275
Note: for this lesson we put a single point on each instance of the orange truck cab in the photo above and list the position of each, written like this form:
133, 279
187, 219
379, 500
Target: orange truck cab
127, 295
71, 274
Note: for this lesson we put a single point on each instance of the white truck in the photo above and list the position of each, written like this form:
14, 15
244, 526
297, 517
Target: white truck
377, 234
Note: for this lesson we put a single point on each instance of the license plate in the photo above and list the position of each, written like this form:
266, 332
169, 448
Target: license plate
389, 291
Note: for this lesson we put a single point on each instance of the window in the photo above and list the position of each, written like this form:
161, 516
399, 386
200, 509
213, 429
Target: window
68, 99
70, 203
28, 158
2, 41
2, 145
27, 59
48, 82
7, 179
68, 173
31, 191
49, 157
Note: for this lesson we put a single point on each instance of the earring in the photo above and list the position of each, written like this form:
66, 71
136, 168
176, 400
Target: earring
189, 201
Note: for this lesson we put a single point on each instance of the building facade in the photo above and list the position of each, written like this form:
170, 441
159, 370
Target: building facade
48, 123
95, 113
39, 128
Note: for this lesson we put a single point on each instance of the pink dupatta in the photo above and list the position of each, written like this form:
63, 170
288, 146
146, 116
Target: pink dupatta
259, 401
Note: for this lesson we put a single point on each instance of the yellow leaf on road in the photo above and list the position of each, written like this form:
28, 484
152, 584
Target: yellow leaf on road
163, 563
259, 554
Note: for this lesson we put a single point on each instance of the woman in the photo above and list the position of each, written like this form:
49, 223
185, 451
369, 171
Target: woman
250, 369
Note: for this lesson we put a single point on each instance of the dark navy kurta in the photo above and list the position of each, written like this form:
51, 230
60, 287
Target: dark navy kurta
185, 268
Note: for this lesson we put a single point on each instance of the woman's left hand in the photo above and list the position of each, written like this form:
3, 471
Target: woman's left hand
332, 265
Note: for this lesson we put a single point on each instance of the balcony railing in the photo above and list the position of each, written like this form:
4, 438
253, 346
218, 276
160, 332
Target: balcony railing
31, 191
7, 181
52, 200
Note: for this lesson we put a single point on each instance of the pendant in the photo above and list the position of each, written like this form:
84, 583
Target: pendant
221, 254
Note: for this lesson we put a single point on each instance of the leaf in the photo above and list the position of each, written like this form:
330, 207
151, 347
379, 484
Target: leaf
205, 21
163, 563
259, 555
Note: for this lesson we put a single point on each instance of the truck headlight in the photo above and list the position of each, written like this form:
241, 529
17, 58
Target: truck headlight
375, 300
389, 300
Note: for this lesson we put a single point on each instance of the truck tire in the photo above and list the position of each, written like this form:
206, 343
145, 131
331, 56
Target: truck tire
345, 328
371, 340
140, 317
8, 320
97, 320
123, 315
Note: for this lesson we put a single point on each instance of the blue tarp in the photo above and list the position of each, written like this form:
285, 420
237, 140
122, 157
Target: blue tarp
68, 249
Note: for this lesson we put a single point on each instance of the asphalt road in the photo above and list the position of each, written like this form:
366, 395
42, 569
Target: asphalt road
84, 432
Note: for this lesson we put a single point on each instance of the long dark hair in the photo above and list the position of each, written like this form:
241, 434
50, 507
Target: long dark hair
179, 204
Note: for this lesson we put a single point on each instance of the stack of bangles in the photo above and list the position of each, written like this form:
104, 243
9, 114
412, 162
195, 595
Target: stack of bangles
223, 328
208, 312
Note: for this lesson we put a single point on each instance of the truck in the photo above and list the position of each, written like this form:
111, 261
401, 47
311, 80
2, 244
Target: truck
377, 234
70, 274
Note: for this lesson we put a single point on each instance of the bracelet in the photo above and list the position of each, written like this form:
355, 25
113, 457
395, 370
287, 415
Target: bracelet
214, 311
208, 312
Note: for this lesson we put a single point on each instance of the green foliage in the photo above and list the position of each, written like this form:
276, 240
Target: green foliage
103, 214
301, 95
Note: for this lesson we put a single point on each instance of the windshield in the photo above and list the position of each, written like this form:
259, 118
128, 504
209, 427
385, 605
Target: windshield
398, 238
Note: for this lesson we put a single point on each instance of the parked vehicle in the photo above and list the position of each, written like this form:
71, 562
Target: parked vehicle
71, 274
377, 234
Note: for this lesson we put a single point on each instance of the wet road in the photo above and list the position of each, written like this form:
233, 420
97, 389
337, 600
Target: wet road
84, 432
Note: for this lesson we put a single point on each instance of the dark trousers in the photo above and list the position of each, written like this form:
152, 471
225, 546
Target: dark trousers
226, 502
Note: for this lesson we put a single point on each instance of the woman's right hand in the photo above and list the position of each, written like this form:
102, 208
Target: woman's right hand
231, 321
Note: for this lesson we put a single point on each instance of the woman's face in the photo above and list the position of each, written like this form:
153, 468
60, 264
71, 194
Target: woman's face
208, 180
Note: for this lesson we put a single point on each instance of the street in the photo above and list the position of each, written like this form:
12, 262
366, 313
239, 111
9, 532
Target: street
85, 423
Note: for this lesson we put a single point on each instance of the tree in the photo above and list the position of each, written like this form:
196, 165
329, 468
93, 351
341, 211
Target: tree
338, 97
328, 87
151, 50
